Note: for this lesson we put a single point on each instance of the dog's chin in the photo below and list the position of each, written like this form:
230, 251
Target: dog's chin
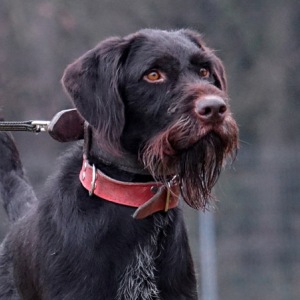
198, 166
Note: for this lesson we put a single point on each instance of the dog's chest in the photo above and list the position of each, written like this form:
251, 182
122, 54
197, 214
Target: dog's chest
139, 278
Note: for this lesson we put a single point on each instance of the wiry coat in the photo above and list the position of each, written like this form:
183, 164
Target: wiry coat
69, 245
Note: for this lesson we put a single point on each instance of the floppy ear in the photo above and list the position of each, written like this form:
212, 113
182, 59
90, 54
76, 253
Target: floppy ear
218, 70
92, 84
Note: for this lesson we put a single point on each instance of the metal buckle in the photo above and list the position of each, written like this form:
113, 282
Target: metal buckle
84, 170
93, 182
171, 183
168, 198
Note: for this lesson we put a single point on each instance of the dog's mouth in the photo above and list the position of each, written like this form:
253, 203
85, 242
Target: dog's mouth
196, 154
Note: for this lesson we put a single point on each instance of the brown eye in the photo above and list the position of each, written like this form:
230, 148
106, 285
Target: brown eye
204, 73
154, 76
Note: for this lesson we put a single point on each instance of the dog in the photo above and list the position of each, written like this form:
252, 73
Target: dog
158, 127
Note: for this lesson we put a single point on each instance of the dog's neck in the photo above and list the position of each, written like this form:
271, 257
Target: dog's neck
123, 167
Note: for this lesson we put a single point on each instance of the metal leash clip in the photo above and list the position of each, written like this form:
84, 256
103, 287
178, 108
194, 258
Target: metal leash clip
40, 126
66, 126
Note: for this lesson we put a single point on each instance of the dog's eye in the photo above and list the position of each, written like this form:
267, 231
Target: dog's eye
154, 76
204, 73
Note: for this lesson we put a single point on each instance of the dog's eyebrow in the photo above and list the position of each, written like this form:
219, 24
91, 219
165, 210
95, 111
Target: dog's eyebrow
162, 62
201, 58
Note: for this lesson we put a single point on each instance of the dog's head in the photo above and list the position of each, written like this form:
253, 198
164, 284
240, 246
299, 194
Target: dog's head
161, 96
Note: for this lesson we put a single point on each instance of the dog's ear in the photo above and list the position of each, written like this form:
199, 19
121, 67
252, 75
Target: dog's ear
92, 83
218, 70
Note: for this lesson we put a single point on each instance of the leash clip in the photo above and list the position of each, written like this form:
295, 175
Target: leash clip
40, 126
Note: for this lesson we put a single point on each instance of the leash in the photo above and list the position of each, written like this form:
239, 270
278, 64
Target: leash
31, 126
65, 126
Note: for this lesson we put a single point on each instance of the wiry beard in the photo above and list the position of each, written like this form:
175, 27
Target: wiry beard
199, 168
198, 165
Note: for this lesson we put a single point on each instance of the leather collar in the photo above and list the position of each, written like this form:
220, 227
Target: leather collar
148, 197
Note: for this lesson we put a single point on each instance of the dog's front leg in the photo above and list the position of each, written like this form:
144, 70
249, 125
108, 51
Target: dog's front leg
177, 280
8, 290
16, 194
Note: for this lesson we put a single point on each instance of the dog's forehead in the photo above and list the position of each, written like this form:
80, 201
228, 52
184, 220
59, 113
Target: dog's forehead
151, 44
169, 40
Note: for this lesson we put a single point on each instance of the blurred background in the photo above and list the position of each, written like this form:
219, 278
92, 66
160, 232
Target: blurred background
253, 236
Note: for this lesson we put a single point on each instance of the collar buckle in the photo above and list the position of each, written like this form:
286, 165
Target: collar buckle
170, 184
93, 182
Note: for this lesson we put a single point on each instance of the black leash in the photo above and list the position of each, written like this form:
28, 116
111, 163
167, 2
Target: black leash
31, 126
65, 126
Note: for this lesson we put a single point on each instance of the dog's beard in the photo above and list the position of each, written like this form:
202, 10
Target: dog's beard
199, 168
197, 158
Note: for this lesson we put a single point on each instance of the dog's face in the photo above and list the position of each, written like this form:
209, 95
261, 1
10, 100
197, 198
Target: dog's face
160, 96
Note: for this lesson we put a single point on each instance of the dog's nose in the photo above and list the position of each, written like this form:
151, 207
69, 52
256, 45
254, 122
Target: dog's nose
211, 109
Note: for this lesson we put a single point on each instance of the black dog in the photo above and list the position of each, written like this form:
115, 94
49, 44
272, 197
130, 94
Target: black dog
159, 126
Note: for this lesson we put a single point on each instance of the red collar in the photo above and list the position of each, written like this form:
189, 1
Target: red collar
148, 197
